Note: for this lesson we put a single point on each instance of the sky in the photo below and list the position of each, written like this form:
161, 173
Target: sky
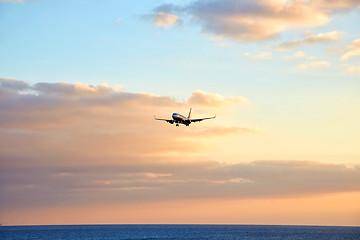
81, 82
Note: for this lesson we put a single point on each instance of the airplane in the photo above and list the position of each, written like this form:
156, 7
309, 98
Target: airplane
180, 119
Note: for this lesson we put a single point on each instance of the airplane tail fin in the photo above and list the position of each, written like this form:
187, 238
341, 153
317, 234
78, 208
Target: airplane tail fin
189, 114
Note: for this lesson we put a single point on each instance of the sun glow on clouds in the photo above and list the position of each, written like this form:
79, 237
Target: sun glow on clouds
261, 56
64, 143
299, 54
76, 112
287, 155
258, 20
215, 100
315, 65
352, 69
330, 209
162, 19
352, 50
311, 39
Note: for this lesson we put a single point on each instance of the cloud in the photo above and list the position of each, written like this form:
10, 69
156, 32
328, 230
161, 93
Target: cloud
254, 20
352, 69
61, 121
73, 90
13, 84
311, 39
223, 130
53, 106
15, 1
261, 56
352, 51
299, 54
257, 20
117, 20
77, 145
121, 183
61, 142
162, 19
338, 4
315, 65
214, 100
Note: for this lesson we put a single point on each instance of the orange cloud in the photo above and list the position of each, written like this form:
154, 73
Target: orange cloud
222, 130
257, 20
299, 54
48, 105
60, 121
337, 4
311, 39
352, 51
163, 19
130, 181
315, 65
76, 145
73, 90
330, 209
214, 100
352, 69
263, 56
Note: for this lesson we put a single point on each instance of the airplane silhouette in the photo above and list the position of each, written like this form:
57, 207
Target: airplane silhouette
180, 119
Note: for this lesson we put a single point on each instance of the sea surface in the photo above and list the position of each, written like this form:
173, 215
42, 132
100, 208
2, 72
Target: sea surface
112, 232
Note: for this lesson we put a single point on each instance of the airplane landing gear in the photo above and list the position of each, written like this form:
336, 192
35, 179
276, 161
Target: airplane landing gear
177, 124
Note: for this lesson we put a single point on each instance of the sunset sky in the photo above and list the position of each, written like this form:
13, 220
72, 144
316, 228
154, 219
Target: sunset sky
81, 81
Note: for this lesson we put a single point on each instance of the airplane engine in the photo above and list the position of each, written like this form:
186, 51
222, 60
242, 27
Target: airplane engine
171, 122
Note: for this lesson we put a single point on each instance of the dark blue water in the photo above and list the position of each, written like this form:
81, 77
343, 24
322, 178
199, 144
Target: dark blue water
111, 232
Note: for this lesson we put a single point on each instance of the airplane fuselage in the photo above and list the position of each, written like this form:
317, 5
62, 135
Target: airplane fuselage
178, 118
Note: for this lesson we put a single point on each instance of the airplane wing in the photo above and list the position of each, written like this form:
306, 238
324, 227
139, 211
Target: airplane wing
162, 119
200, 119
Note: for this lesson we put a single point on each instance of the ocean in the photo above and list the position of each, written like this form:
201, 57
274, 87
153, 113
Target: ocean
136, 232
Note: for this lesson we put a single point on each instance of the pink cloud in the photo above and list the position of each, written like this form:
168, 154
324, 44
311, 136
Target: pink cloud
214, 100
78, 145
257, 20
352, 51
311, 39
163, 19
